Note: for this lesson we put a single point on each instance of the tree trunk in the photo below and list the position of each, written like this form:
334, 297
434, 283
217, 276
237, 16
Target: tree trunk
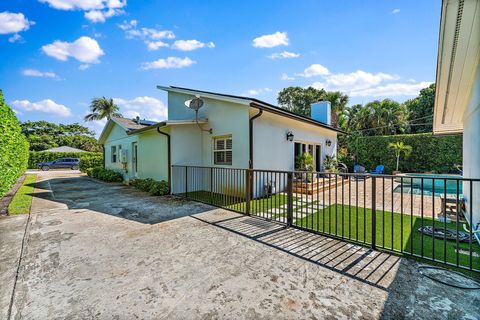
398, 160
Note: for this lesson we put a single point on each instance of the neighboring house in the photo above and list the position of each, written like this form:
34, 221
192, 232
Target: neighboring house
457, 100
245, 133
64, 149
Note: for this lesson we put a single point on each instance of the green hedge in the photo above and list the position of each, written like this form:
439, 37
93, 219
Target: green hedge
438, 154
87, 159
105, 174
13, 148
156, 188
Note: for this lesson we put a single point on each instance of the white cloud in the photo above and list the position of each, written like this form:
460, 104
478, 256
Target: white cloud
151, 37
256, 92
84, 49
392, 89
395, 11
189, 45
96, 16
144, 107
39, 74
15, 38
357, 80
95, 10
271, 40
168, 63
314, 70
95, 125
285, 77
283, 55
155, 45
83, 66
13, 22
46, 106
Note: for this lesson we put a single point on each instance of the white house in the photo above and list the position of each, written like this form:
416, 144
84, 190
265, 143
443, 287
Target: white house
229, 132
457, 100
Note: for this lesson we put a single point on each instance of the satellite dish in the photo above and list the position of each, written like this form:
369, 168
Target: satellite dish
194, 104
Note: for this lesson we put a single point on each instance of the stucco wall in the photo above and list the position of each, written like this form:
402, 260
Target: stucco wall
152, 161
471, 151
271, 150
116, 137
192, 146
152, 156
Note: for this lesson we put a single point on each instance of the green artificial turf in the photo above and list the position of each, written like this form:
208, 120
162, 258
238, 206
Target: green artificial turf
356, 224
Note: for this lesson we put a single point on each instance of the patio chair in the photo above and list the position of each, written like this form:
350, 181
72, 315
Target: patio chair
380, 169
360, 173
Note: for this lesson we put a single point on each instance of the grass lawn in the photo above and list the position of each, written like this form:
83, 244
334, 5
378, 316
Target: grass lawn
238, 203
22, 200
344, 220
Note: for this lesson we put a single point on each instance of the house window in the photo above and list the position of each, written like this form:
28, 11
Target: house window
119, 153
114, 154
222, 151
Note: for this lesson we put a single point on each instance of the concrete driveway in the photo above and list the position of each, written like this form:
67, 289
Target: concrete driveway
101, 251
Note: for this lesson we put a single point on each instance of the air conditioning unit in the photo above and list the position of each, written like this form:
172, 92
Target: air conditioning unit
124, 156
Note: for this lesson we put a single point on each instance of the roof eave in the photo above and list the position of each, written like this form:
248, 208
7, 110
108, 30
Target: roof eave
293, 116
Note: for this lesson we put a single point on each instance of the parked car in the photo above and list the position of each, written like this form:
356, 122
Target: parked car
63, 163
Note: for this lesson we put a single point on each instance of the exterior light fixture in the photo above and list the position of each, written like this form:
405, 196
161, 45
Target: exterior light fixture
328, 142
290, 136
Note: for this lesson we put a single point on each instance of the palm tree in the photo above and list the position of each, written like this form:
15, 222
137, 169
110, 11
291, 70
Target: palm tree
102, 108
399, 148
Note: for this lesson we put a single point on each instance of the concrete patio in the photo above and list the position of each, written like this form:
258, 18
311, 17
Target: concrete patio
101, 251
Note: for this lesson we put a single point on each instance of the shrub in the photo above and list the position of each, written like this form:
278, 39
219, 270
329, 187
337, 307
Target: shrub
438, 154
87, 159
156, 188
104, 174
13, 148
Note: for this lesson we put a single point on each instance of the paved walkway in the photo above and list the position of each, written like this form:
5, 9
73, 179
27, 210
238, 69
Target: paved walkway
98, 251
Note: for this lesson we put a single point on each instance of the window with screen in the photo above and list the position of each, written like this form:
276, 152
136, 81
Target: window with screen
222, 151
114, 154
119, 153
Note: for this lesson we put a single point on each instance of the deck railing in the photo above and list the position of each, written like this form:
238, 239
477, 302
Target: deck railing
416, 215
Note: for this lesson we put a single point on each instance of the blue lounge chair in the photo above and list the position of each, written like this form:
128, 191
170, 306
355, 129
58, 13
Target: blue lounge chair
380, 169
360, 171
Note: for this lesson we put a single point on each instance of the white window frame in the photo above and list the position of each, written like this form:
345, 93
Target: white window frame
225, 150
113, 155
119, 153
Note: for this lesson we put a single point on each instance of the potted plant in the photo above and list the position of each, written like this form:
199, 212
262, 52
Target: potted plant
399, 148
305, 163
330, 164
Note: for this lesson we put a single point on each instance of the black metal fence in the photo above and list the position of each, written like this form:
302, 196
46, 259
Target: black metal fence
424, 216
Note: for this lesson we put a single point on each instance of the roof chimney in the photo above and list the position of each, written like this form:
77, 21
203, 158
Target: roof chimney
321, 111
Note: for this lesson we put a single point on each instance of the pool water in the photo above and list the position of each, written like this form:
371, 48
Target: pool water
433, 184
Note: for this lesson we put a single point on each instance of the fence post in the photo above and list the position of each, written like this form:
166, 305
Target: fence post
248, 189
289, 199
374, 212
186, 182
211, 185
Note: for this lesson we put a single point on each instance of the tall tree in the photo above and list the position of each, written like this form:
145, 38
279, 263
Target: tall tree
420, 110
299, 100
102, 108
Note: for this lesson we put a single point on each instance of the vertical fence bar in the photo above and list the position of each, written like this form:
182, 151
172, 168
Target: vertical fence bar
374, 211
457, 258
421, 214
412, 233
186, 182
433, 218
401, 214
471, 225
289, 199
248, 190
445, 222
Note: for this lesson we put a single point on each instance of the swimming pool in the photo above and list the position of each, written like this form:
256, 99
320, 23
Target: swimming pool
432, 183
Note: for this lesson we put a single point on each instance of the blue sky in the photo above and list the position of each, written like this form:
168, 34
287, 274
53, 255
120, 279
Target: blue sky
59, 54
